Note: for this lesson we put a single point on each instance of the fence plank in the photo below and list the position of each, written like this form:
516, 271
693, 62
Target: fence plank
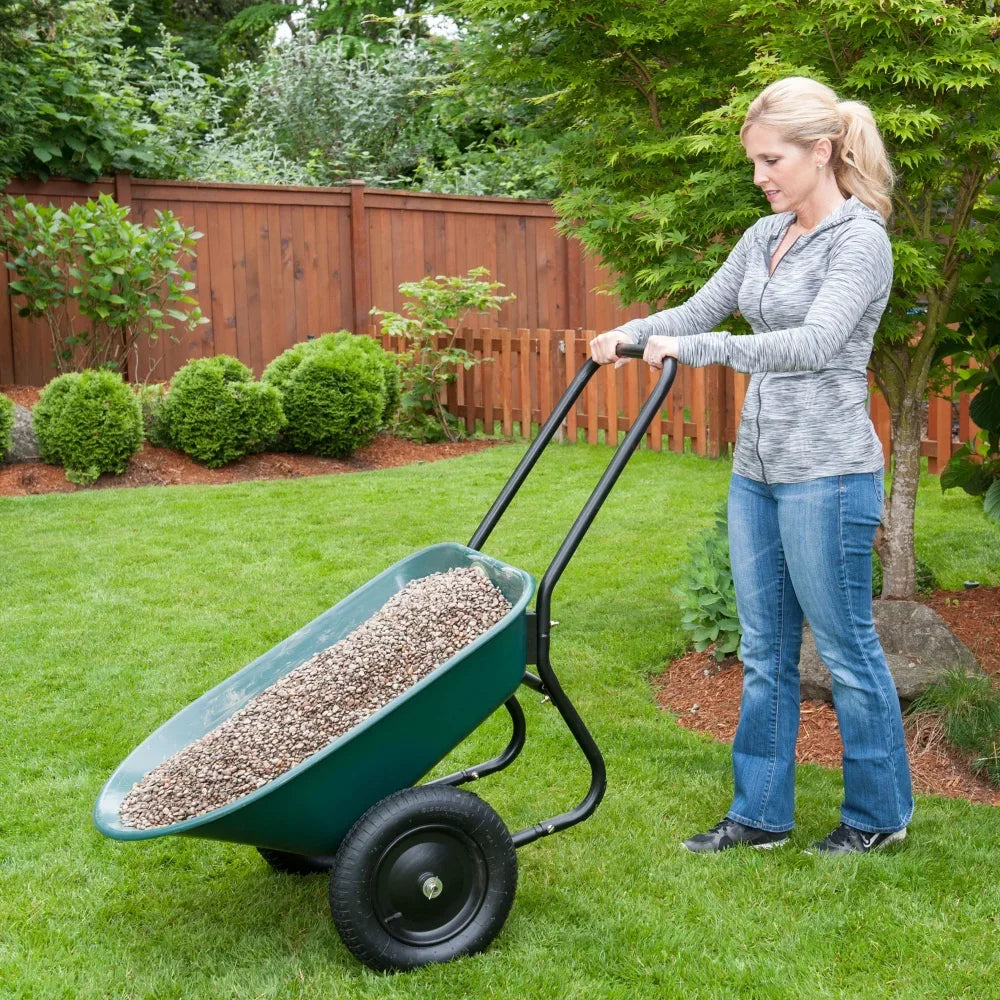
524, 375
506, 376
489, 381
572, 364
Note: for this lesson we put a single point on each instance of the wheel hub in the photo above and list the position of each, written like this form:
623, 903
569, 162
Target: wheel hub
429, 884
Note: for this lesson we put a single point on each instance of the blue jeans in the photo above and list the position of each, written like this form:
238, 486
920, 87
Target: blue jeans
806, 548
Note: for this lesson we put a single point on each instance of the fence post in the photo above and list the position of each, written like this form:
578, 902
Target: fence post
123, 191
361, 278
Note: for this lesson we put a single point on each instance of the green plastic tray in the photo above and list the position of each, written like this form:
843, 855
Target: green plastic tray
309, 809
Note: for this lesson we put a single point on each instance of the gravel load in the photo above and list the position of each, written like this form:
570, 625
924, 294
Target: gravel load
419, 628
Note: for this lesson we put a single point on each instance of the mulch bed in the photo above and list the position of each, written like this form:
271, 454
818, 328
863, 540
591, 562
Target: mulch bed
704, 695
152, 466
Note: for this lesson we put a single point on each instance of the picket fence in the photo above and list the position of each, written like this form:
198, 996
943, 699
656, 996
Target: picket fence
528, 370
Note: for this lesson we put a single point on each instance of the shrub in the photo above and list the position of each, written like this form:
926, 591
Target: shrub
429, 324
216, 413
337, 392
151, 397
6, 425
89, 422
102, 283
708, 597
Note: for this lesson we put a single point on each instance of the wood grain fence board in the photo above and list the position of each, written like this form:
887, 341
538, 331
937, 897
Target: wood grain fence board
489, 376
881, 418
698, 415
570, 347
8, 374
506, 376
251, 250
591, 398
939, 421
277, 337
545, 377
287, 283
469, 391
524, 378
223, 287
630, 373
609, 379
681, 384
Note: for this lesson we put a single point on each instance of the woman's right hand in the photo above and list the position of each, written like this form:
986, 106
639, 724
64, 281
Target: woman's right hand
602, 347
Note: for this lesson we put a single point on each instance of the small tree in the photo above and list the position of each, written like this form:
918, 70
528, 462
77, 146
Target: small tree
102, 283
433, 360
656, 183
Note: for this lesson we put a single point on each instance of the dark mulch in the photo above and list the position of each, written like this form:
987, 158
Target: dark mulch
706, 698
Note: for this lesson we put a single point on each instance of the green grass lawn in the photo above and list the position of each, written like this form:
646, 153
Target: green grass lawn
118, 608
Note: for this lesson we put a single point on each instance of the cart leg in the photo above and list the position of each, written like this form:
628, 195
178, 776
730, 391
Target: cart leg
515, 746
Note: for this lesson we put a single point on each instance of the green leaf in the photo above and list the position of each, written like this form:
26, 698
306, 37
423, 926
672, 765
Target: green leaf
991, 502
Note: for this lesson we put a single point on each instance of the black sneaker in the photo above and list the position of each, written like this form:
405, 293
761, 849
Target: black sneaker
846, 840
729, 833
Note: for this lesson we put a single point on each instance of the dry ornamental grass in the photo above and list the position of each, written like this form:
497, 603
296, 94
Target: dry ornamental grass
419, 628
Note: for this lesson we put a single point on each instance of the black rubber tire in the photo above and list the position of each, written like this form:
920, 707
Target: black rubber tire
296, 864
389, 862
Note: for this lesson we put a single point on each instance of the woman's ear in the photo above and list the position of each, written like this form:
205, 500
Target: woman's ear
822, 150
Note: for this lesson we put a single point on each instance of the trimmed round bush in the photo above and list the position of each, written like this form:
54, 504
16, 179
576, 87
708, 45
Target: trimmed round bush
334, 403
6, 425
337, 391
89, 422
216, 413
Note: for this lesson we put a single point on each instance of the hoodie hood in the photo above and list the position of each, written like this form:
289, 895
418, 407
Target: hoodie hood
852, 209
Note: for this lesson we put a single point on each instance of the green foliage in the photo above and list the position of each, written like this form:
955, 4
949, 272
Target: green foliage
22, 22
151, 397
975, 467
348, 110
89, 422
430, 326
216, 413
6, 425
337, 391
102, 283
85, 116
707, 598
970, 711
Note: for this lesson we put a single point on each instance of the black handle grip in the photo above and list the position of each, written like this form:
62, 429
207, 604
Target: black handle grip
625, 350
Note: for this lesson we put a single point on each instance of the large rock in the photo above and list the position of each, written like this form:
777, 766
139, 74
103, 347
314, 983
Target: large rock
918, 644
25, 443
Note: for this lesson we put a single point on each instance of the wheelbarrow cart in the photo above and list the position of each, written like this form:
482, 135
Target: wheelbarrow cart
419, 873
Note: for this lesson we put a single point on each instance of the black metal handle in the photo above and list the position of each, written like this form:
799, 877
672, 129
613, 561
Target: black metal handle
548, 431
543, 602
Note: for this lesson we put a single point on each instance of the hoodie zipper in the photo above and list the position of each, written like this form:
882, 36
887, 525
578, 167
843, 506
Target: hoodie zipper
760, 310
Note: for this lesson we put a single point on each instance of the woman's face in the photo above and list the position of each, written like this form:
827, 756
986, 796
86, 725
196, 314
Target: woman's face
785, 172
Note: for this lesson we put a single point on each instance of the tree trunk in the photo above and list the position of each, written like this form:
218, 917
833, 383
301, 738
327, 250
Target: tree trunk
895, 541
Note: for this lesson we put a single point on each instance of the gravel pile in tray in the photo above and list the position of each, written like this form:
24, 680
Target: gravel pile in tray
420, 627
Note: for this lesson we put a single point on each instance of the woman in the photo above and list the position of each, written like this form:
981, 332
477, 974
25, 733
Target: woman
806, 493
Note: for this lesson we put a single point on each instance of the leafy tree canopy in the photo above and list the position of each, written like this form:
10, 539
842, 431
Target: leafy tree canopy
655, 181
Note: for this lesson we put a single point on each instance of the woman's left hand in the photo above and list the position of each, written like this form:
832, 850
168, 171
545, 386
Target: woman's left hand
659, 348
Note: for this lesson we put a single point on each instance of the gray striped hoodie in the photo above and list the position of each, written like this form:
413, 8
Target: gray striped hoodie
813, 321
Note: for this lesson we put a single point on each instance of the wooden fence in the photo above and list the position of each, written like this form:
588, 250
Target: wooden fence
530, 369
279, 264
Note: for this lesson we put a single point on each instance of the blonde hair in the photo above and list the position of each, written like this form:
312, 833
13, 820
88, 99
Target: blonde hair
804, 111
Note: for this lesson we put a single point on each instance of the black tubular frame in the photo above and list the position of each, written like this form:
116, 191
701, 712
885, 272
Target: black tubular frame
546, 681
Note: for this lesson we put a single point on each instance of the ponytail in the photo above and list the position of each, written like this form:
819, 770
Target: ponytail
863, 168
